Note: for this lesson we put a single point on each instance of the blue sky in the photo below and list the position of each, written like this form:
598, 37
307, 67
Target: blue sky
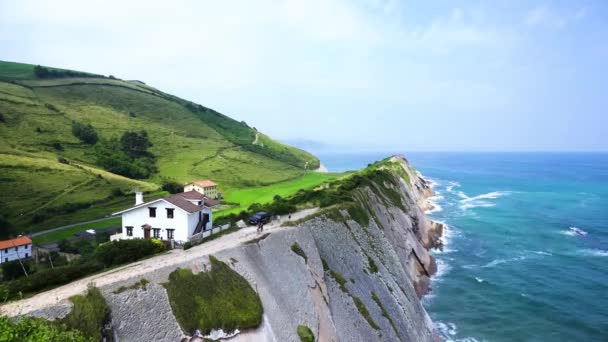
368, 74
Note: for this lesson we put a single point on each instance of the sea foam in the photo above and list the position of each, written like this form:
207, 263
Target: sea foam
594, 252
468, 202
573, 231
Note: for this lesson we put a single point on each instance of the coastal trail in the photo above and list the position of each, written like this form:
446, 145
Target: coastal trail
140, 268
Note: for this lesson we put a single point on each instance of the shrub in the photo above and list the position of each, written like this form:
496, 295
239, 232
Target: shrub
36, 329
218, 299
89, 314
305, 334
51, 277
187, 245
63, 160
124, 251
2, 119
85, 132
57, 146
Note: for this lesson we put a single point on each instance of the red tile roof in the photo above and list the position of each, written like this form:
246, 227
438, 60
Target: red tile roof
204, 183
20, 241
192, 195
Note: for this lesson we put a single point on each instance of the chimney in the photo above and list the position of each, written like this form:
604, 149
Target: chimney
139, 198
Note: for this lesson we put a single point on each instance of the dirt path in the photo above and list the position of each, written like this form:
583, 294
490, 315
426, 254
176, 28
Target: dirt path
174, 257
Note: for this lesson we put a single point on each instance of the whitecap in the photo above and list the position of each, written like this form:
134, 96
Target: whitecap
479, 280
447, 331
433, 201
502, 261
477, 205
489, 195
594, 252
543, 253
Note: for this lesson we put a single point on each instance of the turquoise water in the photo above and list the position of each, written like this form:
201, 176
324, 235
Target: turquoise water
526, 255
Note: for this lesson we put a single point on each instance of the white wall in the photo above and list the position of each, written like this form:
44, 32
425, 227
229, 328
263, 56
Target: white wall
140, 216
23, 252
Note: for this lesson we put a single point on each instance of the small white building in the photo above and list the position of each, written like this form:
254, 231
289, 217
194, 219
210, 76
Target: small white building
176, 217
205, 187
14, 249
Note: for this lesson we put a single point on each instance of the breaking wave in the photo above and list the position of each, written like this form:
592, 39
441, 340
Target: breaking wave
447, 331
573, 231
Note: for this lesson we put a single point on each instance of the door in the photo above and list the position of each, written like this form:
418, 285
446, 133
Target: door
146, 233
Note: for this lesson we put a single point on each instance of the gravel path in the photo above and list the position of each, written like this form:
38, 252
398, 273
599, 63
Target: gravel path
176, 256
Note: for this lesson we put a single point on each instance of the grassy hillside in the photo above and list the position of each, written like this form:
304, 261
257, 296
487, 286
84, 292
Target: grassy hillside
49, 177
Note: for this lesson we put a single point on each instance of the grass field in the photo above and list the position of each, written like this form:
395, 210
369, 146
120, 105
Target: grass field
69, 232
190, 142
264, 194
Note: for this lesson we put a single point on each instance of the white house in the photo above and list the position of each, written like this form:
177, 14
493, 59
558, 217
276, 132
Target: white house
205, 187
176, 217
14, 249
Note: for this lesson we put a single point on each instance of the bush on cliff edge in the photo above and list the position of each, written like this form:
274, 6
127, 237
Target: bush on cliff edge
218, 299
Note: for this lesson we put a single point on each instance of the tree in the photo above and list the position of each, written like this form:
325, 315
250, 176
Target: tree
172, 187
135, 144
15, 269
41, 72
85, 132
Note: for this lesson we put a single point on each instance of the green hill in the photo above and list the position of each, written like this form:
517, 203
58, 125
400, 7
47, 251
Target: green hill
48, 176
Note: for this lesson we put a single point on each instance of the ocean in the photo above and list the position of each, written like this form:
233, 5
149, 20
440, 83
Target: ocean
526, 246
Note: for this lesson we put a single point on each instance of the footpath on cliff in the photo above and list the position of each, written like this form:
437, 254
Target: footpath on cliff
139, 268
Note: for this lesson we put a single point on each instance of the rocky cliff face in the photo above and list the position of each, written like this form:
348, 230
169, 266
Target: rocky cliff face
356, 279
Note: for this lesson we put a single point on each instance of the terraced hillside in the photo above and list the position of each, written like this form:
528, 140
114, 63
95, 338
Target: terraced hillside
48, 175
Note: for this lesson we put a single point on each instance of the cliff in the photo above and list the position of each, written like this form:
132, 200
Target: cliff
349, 272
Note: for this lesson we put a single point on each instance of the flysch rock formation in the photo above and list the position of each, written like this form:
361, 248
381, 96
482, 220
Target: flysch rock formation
295, 291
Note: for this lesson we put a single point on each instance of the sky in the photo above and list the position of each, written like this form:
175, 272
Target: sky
349, 75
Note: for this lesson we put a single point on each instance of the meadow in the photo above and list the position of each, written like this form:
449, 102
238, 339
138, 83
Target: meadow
49, 178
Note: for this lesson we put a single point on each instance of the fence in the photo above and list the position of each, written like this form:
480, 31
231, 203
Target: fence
198, 238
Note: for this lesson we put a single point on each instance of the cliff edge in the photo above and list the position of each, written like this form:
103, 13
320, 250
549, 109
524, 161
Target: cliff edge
349, 272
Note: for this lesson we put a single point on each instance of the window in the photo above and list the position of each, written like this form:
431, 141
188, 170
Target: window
129, 231
156, 232
16, 248
170, 212
152, 212
170, 234
5, 259
6, 250
26, 255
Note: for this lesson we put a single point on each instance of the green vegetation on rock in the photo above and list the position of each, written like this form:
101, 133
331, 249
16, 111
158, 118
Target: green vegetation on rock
141, 284
86, 322
384, 312
216, 299
305, 334
364, 312
372, 268
89, 314
295, 247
